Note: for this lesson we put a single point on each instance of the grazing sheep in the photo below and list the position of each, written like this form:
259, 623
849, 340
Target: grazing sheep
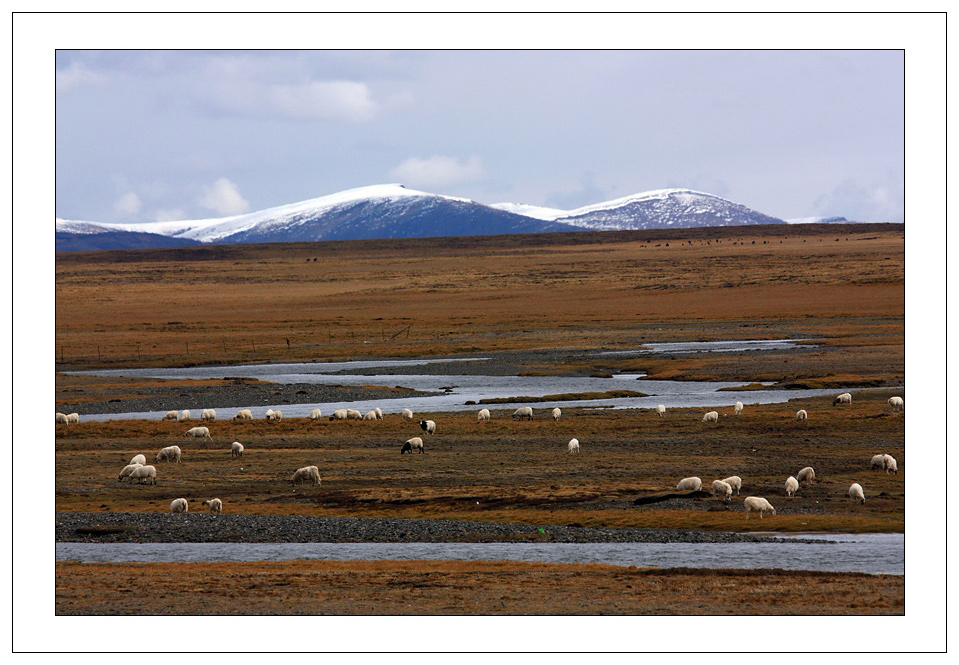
170, 415
127, 470
806, 475
407, 414
208, 414
889, 462
353, 414
573, 446
523, 412
369, 415
62, 419
801, 415
661, 410
757, 503
379, 413
792, 486
845, 398
896, 403
179, 506
855, 492
169, 454
243, 414
236, 450
269, 414
183, 415
316, 414
557, 414
738, 408
878, 461
73, 417
723, 488
483, 415
145, 472
735, 482
339, 414
216, 506
692, 484
416, 443
277, 415
199, 432
711, 417
310, 473
428, 426
138, 459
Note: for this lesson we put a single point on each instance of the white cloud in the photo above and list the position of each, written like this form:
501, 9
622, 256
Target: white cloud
224, 198
875, 202
74, 76
322, 100
169, 215
128, 204
438, 171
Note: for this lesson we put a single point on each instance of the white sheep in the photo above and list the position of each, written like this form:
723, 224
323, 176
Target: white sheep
269, 414
711, 417
483, 415
735, 482
145, 472
692, 484
216, 506
806, 475
243, 414
416, 443
73, 417
179, 506
895, 403
737, 409
199, 432
855, 492
170, 415
339, 414
138, 459
277, 415
369, 415
723, 488
169, 454
310, 473
62, 419
379, 413
523, 412
316, 414
845, 398
428, 426
236, 449
890, 464
661, 410
183, 415
407, 414
353, 414
208, 414
557, 413
757, 503
573, 446
878, 461
127, 470
792, 486
801, 415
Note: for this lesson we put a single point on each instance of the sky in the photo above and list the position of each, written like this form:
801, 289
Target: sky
156, 135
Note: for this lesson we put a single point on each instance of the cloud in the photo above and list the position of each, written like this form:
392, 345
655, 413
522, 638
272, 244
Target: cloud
323, 100
438, 171
224, 198
875, 202
587, 194
75, 76
169, 215
128, 204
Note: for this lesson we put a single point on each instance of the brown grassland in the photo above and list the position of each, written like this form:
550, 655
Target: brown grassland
843, 287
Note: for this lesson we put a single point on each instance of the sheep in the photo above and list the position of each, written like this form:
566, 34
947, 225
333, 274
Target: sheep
523, 412
416, 443
169, 454
889, 462
661, 410
557, 414
757, 503
145, 472
692, 483
722, 487
407, 414
316, 414
801, 415
806, 475
310, 473
855, 492
73, 417
735, 482
878, 461
208, 414
573, 446
277, 415
845, 398
895, 403
482, 415
216, 506
711, 417
379, 413
369, 415
127, 470
170, 415
428, 426
243, 414
339, 414
353, 414
62, 419
138, 459
199, 432
179, 506
792, 485
183, 415
737, 409
269, 414
236, 450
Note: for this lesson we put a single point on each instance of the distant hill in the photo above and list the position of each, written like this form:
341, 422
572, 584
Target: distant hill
88, 242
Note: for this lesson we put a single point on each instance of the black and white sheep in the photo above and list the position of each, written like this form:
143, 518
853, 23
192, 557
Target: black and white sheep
711, 417
416, 443
236, 449
428, 426
169, 454
216, 506
792, 486
689, 484
855, 492
199, 433
757, 504
806, 475
179, 506
523, 412
845, 398
307, 473
573, 446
